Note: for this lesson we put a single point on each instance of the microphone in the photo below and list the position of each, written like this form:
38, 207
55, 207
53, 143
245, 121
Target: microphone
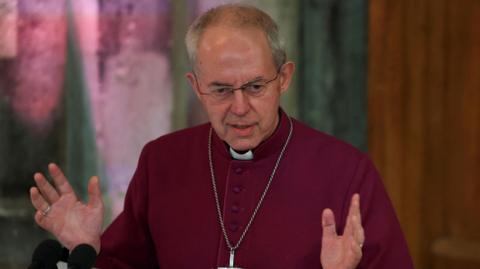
46, 255
82, 256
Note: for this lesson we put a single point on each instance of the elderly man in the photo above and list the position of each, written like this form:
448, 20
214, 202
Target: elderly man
253, 188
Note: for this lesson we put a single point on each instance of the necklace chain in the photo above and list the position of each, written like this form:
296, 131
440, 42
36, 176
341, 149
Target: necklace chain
215, 192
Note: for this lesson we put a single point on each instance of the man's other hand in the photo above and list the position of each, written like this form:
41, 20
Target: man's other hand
60, 212
342, 251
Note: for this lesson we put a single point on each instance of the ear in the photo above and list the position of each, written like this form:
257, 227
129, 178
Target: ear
193, 83
286, 74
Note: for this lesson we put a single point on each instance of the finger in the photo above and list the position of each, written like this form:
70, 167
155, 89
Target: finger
354, 209
47, 190
356, 206
37, 199
328, 224
359, 234
355, 220
94, 193
353, 213
60, 180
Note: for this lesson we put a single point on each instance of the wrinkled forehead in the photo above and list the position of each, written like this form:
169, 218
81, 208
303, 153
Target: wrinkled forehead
223, 49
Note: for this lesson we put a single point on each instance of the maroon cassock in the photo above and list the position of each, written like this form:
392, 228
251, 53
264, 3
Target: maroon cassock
170, 219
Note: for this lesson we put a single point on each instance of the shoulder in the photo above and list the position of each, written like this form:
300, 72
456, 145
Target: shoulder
320, 143
179, 141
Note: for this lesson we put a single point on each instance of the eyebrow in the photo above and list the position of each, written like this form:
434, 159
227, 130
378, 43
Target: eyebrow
222, 84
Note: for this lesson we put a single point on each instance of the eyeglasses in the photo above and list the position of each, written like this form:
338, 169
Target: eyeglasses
222, 92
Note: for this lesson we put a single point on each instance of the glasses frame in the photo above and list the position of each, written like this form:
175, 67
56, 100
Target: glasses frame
243, 88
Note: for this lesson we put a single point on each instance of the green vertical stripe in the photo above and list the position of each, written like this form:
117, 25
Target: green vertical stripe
333, 68
81, 160
180, 66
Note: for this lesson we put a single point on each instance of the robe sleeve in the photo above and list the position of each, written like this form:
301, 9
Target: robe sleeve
384, 246
127, 243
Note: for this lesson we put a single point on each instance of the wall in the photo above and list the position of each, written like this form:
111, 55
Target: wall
424, 123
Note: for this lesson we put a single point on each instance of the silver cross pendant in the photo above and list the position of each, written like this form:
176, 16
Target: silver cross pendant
231, 262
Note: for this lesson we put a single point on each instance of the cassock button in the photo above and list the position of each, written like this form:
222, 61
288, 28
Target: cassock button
239, 170
235, 209
237, 189
234, 227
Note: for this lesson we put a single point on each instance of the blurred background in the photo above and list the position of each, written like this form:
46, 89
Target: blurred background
86, 83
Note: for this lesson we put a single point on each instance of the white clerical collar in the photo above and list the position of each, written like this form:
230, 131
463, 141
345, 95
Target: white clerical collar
241, 156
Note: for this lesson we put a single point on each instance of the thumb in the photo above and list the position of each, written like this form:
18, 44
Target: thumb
94, 193
328, 224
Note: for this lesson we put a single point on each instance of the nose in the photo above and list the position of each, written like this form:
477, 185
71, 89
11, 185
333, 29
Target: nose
240, 103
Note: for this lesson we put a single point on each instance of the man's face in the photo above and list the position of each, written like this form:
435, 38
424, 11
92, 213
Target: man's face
234, 57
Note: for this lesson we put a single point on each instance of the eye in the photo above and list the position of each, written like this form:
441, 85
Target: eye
221, 91
255, 88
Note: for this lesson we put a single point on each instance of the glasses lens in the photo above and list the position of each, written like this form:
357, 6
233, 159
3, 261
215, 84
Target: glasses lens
221, 93
255, 89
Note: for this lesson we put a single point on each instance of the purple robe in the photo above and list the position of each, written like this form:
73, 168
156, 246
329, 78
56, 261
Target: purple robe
170, 218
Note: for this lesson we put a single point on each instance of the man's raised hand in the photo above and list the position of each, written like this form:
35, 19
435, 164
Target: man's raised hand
342, 251
60, 212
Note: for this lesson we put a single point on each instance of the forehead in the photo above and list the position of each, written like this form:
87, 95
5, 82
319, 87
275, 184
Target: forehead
224, 51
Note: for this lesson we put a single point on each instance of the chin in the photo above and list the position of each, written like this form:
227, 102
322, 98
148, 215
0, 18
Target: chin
242, 145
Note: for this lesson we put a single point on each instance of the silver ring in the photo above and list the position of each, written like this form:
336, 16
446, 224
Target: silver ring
45, 212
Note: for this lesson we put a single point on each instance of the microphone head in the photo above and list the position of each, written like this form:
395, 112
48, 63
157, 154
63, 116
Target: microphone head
47, 254
82, 257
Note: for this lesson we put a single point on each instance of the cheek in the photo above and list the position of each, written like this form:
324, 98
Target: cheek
216, 115
267, 110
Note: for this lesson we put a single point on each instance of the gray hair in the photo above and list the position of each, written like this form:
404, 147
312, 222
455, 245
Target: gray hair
236, 15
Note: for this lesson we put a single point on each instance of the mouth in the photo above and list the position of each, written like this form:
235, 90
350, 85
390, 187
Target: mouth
242, 129
241, 126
